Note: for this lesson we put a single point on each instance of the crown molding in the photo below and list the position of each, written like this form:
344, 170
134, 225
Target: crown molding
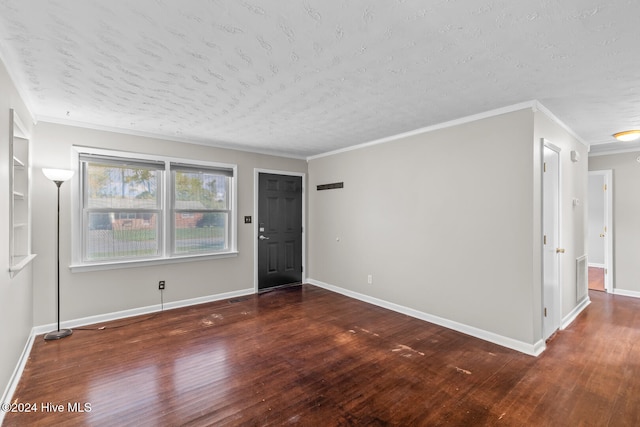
550, 115
206, 143
534, 105
614, 148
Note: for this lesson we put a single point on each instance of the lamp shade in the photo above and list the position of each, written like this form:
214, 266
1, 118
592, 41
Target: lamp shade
57, 174
627, 135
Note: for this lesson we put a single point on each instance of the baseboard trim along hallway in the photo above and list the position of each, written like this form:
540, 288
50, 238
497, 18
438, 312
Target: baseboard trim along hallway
523, 347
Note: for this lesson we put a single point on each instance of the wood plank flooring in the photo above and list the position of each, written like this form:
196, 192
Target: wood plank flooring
307, 356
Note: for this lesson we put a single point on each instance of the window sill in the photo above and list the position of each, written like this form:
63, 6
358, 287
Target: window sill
81, 268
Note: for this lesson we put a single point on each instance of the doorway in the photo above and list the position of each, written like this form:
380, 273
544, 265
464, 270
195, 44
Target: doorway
551, 239
279, 229
600, 230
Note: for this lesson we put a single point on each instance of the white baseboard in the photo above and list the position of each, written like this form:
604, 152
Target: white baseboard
523, 347
625, 293
70, 324
16, 374
569, 318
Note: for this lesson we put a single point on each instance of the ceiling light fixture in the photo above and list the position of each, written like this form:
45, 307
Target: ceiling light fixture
627, 135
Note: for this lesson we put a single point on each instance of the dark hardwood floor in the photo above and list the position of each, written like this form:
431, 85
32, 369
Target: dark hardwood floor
307, 356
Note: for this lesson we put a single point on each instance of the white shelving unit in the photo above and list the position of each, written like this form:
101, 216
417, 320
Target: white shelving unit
20, 187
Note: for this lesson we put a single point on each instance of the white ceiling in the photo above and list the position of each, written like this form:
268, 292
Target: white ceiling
306, 77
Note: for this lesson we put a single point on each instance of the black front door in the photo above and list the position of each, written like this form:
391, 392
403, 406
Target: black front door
279, 230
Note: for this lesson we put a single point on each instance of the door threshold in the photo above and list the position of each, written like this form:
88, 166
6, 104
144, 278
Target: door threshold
275, 288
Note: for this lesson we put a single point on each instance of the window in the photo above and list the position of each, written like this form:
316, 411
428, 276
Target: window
201, 212
146, 208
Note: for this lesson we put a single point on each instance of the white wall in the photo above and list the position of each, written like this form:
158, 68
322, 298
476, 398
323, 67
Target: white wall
442, 221
448, 222
93, 293
16, 314
626, 218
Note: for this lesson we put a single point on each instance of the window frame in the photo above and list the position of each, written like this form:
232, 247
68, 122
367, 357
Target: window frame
166, 208
86, 210
174, 210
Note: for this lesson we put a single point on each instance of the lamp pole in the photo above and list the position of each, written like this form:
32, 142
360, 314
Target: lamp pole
58, 177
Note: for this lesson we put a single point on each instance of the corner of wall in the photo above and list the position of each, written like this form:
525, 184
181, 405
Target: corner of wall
16, 293
573, 193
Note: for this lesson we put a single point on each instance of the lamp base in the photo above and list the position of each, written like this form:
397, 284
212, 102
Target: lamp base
56, 335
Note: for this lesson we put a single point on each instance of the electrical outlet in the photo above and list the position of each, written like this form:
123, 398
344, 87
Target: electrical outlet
370, 279
161, 285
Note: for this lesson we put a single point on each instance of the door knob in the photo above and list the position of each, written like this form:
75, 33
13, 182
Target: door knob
560, 250
263, 237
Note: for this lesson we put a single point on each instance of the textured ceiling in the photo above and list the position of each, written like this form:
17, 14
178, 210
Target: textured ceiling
307, 77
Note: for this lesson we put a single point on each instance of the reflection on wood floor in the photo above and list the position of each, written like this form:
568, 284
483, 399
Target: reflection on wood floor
307, 356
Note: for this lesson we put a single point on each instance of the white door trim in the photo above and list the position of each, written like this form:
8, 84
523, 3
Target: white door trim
557, 297
608, 220
256, 175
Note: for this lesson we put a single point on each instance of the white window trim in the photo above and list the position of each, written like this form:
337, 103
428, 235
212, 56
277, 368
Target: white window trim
77, 265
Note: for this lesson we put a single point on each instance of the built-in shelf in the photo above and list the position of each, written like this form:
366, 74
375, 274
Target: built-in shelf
20, 187
17, 163
19, 263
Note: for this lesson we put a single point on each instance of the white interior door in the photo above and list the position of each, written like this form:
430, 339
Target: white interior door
551, 240
600, 224
597, 221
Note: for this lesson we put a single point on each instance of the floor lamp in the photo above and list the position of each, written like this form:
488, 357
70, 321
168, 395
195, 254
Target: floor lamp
58, 176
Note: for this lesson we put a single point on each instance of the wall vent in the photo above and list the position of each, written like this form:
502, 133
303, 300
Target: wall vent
582, 278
